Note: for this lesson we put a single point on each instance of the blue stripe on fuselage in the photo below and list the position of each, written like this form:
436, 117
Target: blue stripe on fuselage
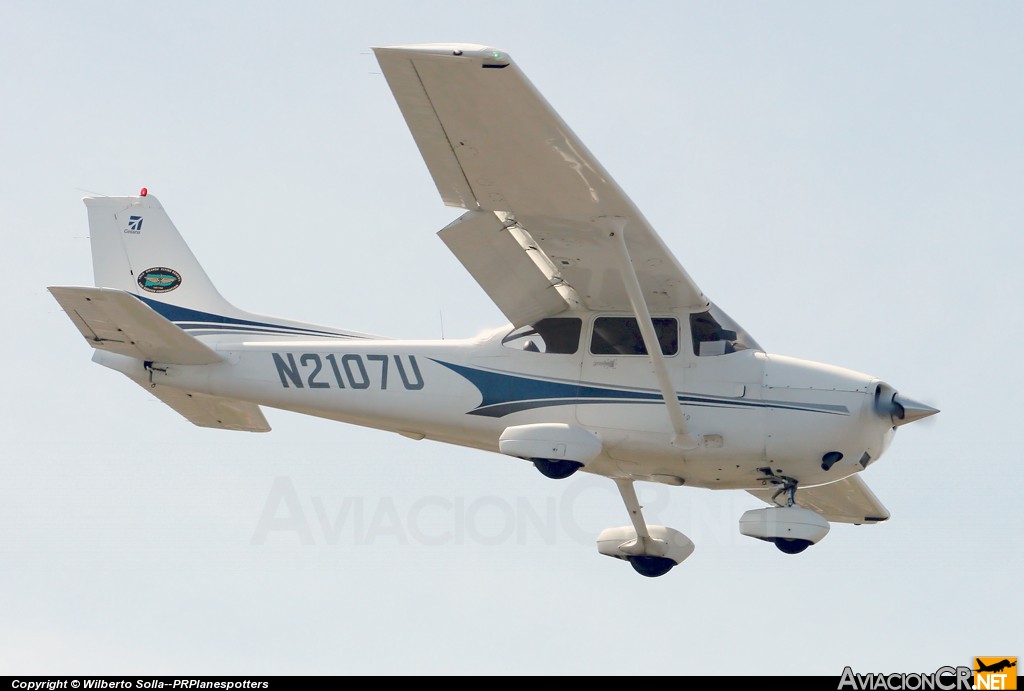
188, 319
502, 394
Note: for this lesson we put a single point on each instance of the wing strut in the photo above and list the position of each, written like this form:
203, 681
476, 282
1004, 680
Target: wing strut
615, 227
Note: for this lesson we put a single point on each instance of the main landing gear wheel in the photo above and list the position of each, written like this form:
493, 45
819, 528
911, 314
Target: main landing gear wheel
652, 550
791, 546
652, 567
556, 470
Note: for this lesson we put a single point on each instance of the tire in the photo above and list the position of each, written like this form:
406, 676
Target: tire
556, 470
791, 546
651, 567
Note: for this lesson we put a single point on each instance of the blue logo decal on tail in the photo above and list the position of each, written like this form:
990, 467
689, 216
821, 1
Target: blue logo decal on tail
159, 279
134, 225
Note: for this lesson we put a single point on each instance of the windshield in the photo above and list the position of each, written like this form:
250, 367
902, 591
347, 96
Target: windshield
715, 333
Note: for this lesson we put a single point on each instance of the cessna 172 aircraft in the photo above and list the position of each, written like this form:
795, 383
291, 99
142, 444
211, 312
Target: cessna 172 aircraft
614, 363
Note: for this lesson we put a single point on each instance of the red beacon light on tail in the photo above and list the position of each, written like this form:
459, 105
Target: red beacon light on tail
143, 192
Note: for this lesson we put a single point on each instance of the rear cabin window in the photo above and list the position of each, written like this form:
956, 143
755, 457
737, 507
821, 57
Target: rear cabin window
621, 336
560, 335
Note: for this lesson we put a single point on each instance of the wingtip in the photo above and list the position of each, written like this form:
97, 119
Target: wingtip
465, 50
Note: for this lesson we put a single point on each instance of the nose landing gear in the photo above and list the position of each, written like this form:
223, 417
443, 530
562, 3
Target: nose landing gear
791, 528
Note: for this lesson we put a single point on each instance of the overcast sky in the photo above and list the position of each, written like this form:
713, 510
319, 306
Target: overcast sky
845, 179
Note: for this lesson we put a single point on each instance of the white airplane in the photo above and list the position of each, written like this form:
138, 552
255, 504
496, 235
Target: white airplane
614, 363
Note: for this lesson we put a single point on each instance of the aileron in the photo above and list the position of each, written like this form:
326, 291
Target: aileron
427, 130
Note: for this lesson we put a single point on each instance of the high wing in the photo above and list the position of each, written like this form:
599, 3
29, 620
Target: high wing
496, 148
847, 501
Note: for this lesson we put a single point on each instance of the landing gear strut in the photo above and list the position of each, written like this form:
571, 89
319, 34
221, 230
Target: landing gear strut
789, 488
785, 544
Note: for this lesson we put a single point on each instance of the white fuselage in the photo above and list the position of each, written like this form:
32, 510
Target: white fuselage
755, 416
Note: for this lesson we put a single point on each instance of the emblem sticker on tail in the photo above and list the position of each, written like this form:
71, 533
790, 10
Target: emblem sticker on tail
159, 279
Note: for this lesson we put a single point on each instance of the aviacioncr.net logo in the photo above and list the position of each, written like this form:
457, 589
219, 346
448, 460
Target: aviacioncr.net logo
995, 673
942, 679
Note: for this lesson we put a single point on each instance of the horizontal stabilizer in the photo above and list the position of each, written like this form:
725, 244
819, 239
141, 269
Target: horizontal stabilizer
846, 501
118, 322
210, 411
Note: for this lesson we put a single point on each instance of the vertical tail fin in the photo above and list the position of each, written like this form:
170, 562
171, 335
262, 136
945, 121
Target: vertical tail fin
136, 248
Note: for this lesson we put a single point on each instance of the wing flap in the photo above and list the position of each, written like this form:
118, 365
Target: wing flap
210, 411
506, 272
847, 501
116, 321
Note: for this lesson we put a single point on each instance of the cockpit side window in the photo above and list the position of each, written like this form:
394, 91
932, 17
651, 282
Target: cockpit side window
559, 335
621, 336
714, 333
